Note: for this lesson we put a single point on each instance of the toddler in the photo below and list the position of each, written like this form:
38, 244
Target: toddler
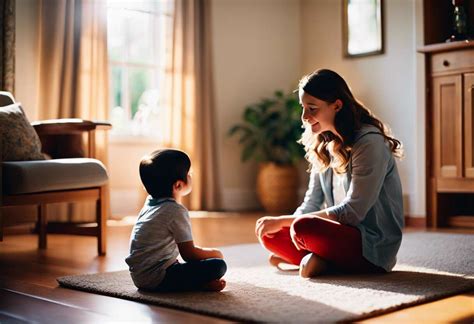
163, 231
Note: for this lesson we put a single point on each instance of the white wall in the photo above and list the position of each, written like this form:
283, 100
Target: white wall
386, 83
127, 194
256, 49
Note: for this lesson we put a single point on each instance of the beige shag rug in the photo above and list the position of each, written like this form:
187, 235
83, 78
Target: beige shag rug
430, 266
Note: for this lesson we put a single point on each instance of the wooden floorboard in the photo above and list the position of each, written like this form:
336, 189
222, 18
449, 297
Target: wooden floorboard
28, 277
456, 309
108, 308
31, 308
10, 319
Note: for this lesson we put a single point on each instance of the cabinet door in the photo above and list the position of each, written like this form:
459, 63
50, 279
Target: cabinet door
468, 125
447, 122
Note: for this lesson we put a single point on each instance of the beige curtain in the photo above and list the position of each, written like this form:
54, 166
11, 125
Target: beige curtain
73, 72
191, 99
7, 45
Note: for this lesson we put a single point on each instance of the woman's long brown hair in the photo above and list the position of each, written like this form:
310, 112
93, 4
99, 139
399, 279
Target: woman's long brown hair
326, 149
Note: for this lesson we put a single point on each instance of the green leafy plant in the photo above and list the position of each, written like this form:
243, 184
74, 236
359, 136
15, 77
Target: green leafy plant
270, 130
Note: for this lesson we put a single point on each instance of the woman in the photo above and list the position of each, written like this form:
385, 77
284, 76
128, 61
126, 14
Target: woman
352, 216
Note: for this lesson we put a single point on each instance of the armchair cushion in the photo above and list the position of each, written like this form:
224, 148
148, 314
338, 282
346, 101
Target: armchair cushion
19, 139
21, 177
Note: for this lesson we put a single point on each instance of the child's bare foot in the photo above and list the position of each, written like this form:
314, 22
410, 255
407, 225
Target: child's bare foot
312, 265
214, 285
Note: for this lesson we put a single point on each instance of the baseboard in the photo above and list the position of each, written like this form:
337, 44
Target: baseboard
463, 221
20, 229
415, 221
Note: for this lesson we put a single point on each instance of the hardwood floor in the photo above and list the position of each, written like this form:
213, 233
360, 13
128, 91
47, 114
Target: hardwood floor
29, 291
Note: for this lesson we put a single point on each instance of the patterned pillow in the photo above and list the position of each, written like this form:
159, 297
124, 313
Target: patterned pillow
19, 139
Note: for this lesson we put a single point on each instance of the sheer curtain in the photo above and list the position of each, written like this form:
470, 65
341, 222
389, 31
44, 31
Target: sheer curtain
73, 73
190, 95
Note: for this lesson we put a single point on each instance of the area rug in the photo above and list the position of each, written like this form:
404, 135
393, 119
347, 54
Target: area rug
430, 266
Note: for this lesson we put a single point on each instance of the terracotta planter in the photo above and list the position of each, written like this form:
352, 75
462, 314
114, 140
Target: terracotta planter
277, 187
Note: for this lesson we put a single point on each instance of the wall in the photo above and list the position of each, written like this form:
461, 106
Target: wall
256, 49
387, 84
126, 191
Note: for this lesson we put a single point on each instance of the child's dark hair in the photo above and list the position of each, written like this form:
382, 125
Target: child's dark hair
161, 169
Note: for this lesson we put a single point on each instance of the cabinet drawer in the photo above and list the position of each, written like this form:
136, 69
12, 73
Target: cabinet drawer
452, 61
455, 185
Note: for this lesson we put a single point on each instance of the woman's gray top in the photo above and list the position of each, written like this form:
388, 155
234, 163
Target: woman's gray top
373, 202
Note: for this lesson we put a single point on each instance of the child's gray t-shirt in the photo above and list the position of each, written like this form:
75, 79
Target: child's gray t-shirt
161, 224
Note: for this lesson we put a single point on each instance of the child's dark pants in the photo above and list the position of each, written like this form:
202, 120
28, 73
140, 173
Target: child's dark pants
192, 275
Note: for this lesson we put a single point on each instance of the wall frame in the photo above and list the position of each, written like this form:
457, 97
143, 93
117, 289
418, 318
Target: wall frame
362, 27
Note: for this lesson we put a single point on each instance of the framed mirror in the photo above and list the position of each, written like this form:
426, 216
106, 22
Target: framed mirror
362, 27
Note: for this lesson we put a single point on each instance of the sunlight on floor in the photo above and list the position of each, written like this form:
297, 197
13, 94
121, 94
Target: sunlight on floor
404, 267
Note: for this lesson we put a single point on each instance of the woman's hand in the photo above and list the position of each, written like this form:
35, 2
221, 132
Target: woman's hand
268, 226
294, 238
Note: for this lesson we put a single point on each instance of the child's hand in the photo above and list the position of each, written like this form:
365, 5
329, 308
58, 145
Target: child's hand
190, 252
218, 253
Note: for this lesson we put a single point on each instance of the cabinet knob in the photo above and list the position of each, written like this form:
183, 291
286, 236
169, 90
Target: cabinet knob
446, 63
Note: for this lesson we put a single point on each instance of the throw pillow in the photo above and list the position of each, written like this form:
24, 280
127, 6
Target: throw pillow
19, 139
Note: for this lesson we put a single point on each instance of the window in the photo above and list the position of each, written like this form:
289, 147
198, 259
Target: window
138, 36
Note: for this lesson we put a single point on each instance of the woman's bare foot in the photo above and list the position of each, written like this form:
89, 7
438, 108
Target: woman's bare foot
214, 285
275, 260
281, 264
312, 265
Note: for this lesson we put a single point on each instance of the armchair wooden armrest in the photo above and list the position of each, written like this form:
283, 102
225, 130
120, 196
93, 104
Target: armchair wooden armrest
62, 138
68, 126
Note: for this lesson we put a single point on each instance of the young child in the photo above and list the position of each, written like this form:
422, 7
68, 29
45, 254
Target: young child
163, 231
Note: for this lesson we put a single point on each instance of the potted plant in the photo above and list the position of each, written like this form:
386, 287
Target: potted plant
269, 134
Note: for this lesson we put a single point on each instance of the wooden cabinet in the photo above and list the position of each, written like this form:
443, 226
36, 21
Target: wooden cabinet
447, 126
449, 134
469, 125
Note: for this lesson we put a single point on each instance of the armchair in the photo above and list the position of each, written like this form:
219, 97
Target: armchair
74, 178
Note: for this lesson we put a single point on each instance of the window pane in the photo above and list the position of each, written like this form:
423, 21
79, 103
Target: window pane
139, 81
151, 115
163, 40
137, 5
140, 37
116, 86
116, 34
118, 115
